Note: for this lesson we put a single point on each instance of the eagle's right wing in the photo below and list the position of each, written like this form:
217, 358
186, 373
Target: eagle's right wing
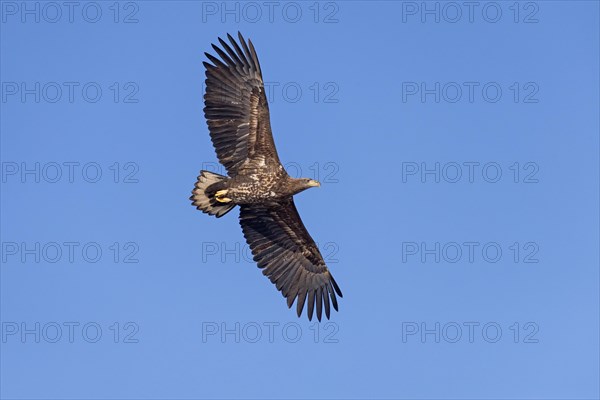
283, 248
236, 107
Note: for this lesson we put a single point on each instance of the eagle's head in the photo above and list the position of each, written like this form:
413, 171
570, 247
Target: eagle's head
300, 184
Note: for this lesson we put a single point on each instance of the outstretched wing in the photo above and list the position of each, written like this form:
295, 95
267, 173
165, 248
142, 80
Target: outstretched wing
283, 248
236, 107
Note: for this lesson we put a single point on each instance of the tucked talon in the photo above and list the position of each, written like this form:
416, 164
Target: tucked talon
220, 196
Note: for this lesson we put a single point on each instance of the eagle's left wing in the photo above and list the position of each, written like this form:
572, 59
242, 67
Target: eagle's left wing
283, 248
236, 107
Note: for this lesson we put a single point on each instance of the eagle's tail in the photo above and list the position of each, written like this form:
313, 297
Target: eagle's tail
204, 194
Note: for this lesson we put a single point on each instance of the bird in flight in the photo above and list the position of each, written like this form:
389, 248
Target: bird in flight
237, 114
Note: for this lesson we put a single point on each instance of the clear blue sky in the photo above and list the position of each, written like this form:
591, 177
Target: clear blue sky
458, 211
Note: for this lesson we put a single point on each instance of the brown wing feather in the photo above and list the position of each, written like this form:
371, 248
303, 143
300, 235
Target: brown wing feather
288, 255
236, 107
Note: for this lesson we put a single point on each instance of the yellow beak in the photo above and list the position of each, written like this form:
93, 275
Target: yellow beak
314, 183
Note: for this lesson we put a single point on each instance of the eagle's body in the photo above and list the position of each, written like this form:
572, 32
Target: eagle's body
237, 114
257, 184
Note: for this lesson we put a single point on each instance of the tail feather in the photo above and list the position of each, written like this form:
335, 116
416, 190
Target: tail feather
203, 195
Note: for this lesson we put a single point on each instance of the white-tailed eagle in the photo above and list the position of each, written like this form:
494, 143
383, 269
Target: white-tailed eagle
237, 114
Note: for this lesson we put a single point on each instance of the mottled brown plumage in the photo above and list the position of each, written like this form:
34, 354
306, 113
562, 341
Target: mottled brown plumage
237, 114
